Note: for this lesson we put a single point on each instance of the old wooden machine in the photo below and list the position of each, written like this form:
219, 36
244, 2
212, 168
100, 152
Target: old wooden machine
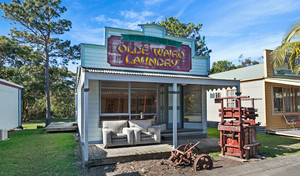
190, 154
238, 128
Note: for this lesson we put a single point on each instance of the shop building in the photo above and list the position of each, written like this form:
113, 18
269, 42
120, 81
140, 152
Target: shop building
142, 74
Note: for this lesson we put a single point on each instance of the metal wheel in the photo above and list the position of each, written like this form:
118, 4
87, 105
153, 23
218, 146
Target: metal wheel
174, 154
203, 161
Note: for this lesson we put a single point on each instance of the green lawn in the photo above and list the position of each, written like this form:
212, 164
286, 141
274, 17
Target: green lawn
32, 152
272, 146
41, 122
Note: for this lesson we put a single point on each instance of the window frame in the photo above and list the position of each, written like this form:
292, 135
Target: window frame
283, 99
183, 102
129, 114
228, 100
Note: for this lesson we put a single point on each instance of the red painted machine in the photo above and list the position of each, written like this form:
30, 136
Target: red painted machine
238, 129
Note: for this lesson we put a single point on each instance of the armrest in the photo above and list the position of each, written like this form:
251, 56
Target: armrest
156, 132
129, 133
137, 133
106, 136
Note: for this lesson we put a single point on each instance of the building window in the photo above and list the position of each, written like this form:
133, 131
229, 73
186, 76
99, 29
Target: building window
286, 99
278, 99
114, 97
192, 103
144, 101
115, 102
217, 95
297, 99
231, 102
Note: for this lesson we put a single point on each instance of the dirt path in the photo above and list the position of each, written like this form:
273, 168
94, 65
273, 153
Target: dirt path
157, 168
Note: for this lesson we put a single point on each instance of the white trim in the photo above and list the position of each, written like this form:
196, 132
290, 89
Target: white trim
7, 83
204, 110
283, 81
174, 115
86, 113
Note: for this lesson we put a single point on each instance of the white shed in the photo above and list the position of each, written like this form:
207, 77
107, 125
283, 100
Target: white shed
10, 105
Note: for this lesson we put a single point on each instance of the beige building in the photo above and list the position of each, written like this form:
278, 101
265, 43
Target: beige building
279, 89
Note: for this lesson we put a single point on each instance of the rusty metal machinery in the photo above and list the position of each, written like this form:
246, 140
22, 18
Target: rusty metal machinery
238, 128
190, 155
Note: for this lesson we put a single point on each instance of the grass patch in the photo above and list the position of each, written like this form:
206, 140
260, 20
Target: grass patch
213, 132
32, 152
272, 146
41, 122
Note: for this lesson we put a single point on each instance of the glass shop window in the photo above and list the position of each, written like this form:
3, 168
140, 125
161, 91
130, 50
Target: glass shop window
278, 99
111, 118
288, 99
114, 97
297, 99
192, 103
143, 98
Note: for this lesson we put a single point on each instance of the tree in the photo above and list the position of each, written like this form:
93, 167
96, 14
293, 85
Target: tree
189, 30
12, 53
22, 65
289, 47
41, 23
246, 62
221, 66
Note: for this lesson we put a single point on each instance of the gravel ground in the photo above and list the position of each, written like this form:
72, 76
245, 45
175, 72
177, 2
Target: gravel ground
157, 168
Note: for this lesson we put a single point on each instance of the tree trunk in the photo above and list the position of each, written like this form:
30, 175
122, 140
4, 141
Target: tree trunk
47, 85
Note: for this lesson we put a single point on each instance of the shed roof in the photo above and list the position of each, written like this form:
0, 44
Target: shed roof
250, 72
7, 83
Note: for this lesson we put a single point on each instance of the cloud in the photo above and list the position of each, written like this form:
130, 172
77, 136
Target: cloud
128, 19
183, 5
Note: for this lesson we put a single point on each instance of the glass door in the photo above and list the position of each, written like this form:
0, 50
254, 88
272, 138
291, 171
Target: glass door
170, 106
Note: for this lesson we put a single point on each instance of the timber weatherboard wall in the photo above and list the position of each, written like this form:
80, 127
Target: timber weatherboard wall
94, 132
95, 56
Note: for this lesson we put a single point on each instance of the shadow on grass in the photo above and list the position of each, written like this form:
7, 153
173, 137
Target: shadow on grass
274, 146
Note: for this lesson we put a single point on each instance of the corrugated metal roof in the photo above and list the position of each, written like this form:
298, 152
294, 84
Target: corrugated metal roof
250, 72
7, 83
93, 70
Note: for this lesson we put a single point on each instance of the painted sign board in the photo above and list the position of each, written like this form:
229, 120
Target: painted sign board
284, 70
148, 53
